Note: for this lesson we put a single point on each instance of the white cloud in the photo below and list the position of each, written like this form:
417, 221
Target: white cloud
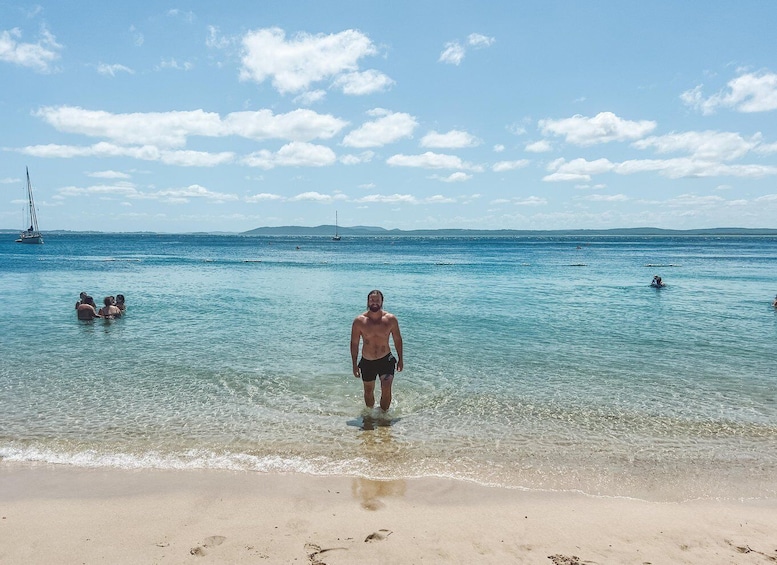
363, 157
453, 53
583, 170
431, 160
503, 166
312, 197
387, 128
105, 69
499, 148
388, 199
297, 125
295, 64
606, 198
709, 145
171, 129
37, 56
456, 177
478, 41
294, 154
310, 97
192, 191
262, 197
749, 92
108, 175
454, 139
174, 64
360, 83
541, 146
142, 152
530, 201
602, 128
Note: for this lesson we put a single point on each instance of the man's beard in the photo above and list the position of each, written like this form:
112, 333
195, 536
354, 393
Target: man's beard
374, 308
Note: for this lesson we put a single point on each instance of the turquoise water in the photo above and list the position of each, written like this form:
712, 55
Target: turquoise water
537, 363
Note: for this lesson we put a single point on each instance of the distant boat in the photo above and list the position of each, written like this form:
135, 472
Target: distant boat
336, 237
31, 234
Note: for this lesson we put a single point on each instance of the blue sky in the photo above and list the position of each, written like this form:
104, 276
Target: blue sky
205, 116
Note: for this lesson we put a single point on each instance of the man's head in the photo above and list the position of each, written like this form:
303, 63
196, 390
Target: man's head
375, 300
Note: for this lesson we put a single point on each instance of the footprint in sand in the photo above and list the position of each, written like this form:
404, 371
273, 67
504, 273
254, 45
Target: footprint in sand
314, 550
378, 536
559, 559
210, 541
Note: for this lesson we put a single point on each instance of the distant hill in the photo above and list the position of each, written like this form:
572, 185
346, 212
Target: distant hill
327, 230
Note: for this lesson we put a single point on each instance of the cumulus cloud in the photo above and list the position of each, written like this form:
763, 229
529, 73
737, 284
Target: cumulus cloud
171, 129
749, 92
294, 64
128, 190
454, 139
541, 146
262, 197
108, 175
456, 177
710, 145
454, 51
360, 83
503, 166
294, 154
430, 160
606, 198
38, 56
141, 152
602, 128
315, 197
583, 170
387, 199
363, 157
388, 127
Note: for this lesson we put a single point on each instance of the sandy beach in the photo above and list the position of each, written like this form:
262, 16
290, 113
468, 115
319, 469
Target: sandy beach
74, 515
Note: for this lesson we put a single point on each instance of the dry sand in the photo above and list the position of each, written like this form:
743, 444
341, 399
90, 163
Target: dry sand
66, 515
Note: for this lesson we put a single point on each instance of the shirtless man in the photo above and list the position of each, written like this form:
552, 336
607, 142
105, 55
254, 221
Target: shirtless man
87, 310
373, 328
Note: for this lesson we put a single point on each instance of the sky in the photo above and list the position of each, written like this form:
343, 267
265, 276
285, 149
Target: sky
422, 114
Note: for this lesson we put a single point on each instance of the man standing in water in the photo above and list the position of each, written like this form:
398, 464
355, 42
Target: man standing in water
373, 328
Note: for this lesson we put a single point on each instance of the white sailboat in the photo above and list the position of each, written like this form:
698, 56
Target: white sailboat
31, 234
336, 237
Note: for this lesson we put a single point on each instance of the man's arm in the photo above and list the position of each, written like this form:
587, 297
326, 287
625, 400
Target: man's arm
397, 336
355, 337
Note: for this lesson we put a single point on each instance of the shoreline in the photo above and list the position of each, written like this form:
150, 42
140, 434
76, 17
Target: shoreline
78, 515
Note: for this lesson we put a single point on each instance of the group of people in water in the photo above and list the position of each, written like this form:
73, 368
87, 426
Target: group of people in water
113, 307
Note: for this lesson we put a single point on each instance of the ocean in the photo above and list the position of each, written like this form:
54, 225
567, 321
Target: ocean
538, 363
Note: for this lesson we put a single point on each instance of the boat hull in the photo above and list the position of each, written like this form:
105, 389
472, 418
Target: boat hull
30, 238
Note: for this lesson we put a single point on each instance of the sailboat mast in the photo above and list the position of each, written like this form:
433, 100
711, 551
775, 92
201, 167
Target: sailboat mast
33, 215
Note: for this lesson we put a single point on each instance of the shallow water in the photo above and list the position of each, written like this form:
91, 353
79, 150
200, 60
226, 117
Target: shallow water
539, 363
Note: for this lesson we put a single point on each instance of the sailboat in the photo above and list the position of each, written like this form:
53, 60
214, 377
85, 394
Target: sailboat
336, 237
31, 234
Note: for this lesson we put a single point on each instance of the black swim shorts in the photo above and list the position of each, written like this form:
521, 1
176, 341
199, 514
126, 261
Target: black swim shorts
371, 368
